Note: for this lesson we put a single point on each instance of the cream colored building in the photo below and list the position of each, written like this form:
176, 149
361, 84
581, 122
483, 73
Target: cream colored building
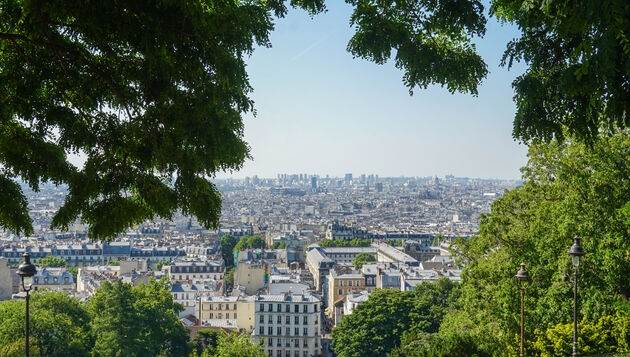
251, 276
341, 282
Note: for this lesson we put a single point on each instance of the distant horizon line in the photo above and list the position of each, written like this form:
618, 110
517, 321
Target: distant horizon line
355, 177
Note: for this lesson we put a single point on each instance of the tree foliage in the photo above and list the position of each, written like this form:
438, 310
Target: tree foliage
137, 321
246, 242
206, 341
363, 258
421, 344
151, 94
376, 326
59, 325
51, 262
578, 66
570, 189
228, 242
235, 345
608, 334
345, 243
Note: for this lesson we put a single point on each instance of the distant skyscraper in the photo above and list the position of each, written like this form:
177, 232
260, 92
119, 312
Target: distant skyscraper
313, 182
348, 179
379, 187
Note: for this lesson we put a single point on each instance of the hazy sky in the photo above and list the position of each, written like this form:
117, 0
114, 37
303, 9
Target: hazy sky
319, 111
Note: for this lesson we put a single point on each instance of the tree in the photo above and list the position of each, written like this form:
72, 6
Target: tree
279, 245
578, 58
160, 264
376, 326
608, 334
113, 263
420, 344
569, 189
255, 242
51, 262
229, 276
234, 345
345, 243
437, 240
363, 258
151, 94
59, 325
206, 340
228, 242
137, 321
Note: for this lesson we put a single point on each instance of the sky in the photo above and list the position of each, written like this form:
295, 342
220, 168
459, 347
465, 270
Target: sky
321, 111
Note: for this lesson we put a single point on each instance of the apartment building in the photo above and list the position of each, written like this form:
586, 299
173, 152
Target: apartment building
196, 269
289, 324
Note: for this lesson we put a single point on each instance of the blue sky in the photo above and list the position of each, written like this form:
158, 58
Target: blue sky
319, 111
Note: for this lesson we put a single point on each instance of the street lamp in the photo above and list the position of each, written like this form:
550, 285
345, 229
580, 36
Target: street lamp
576, 252
522, 280
26, 271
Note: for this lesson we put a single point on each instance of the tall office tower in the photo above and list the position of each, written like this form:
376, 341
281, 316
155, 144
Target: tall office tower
313, 182
348, 179
379, 187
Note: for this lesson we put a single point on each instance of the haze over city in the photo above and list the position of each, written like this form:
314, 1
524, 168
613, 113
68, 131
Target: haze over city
321, 111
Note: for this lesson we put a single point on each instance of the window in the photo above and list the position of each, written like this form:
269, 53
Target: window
270, 319
270, 307
279, 342
305, 344
305, 331
296, 342
350, 283
279, 319
211, 316
296, 308
270, 341
262, 319
270, 330
304, 320
305, 308
227, 315
234, 306
315, 306
220, 306
235, 315
297, 319
340, 292
288, 308
261, 330
262, 307
279, 354
297, 331
288, 332
288, 319
279, 307
279, 331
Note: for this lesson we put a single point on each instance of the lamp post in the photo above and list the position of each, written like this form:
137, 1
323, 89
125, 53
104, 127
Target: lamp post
576, 252
26, 271
522, 280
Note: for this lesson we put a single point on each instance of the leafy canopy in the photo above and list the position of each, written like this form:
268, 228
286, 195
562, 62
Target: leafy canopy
59, 325
51, 261
376, 326
570, 189
363, 258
